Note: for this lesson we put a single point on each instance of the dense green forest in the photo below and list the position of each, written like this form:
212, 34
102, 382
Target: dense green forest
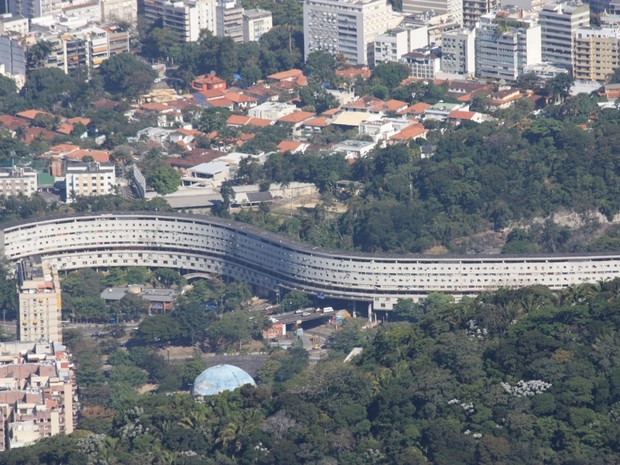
524, 376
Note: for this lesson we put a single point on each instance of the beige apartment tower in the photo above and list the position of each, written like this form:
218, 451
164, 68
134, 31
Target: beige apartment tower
597, 53
39, 301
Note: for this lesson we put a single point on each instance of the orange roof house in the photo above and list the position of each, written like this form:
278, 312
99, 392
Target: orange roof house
353, 73
296, 117
415, 131
32, 114
292, 146
290, 75
208, 82
415, 109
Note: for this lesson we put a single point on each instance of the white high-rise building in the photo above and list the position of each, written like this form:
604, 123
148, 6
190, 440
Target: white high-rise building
120, 10
559, 23
187, 18
458, 52
474, 9
505, 44
436, 7
34, 8
346, 27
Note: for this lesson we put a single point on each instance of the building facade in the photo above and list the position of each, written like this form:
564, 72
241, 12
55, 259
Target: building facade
559, 23
597, 53
89, 180
474, 9
187, 17
256, 22
229, 19
16, 181
393, 44
435, 8
346, 27
34, 8
39, 301
205, 244
423, 63
119, 10
458, 52
505, 44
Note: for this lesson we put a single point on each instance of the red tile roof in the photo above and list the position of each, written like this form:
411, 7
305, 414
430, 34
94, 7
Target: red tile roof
461, 114
12, 122
31, 114
318, 122
410, 132
289, 146
296, 117
415, 109
238, 120
286, 75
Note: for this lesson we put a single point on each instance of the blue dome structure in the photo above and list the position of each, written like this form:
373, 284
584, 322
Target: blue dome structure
220, 378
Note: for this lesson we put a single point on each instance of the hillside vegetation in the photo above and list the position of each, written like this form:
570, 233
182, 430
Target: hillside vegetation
514, 377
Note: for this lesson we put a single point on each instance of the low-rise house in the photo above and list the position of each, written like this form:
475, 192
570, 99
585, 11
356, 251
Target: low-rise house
351, 119
354, 149
314, 125
159, 300
441, 110
504, 98
416, 110
412, 132
272, 110
295, 120
458, 116
292, 146
238, 121
208, 82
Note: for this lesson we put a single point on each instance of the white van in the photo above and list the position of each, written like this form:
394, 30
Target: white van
328, 310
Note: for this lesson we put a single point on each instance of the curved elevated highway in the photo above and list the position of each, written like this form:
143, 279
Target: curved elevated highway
201, 244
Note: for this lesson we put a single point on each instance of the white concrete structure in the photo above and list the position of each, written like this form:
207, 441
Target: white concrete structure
89, 179
39, 301
256, 22
423, 63
506, 44
392, 45
119, 10
544, 70
458, 52
14, 23
214, 245
16, 181
435, 7
559, 23
186, 17
346, 27
272, 110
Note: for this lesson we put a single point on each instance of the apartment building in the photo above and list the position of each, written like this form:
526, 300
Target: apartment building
229, 20
187, 17
34, 8
37, 393
119, 10
458, 52
346, 27
14, 24
424, 63
256, 22
474, 9
118, 40
559, 23
89, 180
435, 8
39, 301
16, 181
506, 42
597, 53
393, 44
12, 56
